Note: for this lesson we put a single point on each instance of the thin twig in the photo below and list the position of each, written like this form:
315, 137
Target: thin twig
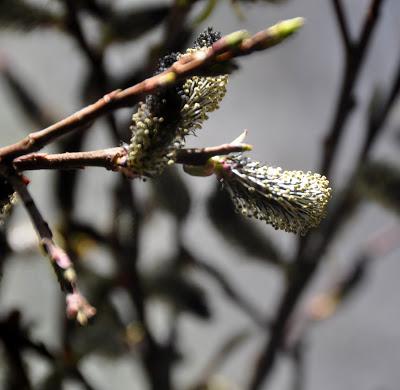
230, 291
233, 45
126, 250
74, 27
115, 159
346, 99
299, 363
94, 57
223, 353
14, 341
343, 25
17, 340
77, 305
24, 97
377, 122
199, 156
106, 158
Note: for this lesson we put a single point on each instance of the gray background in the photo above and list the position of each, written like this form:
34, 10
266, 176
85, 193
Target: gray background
285, 97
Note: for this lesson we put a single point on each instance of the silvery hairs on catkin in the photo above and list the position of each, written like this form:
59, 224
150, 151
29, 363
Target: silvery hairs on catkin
293, 201
162, 122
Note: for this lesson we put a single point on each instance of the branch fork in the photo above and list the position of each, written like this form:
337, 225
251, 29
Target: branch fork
22, 155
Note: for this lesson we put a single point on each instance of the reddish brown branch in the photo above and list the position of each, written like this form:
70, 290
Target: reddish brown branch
106, 158
115, 159
77, 305
233, 45
199, 156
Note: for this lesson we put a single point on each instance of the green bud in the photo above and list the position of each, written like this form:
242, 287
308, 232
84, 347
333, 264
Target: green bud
282, 30
287, 27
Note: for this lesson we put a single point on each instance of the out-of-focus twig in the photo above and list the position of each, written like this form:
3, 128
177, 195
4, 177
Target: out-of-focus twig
222, 354
23, 96
93, 56
228, 288
377, 122
346, 99
298, 355
324, 304
125, 245
343, 25
16, 340
311, 251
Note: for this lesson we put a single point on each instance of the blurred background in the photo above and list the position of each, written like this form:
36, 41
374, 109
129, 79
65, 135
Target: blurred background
211, 282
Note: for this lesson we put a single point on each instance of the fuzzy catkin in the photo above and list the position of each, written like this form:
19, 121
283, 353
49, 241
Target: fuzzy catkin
162, 122
293, 201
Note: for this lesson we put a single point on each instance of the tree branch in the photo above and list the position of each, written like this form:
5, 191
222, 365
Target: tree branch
233, 45
343, 25
346, 100
377, 122
110, 159
77, 305
115, 159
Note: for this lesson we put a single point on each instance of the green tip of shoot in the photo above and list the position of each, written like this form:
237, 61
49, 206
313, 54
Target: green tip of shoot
287, 27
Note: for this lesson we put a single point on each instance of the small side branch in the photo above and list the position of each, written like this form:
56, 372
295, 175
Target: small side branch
346, 99
377, 122
232, 294
110, 159
343, 25
115, 159
199, 156
77, 305
233, 45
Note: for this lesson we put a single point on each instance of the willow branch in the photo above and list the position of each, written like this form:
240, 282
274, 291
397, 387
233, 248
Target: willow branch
106, 158
233, 45
77, 305
115, 159
199, 156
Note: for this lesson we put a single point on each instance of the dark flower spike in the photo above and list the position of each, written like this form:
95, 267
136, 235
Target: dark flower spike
293, 201
162, 123
207, 38
5, 207
7, 199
